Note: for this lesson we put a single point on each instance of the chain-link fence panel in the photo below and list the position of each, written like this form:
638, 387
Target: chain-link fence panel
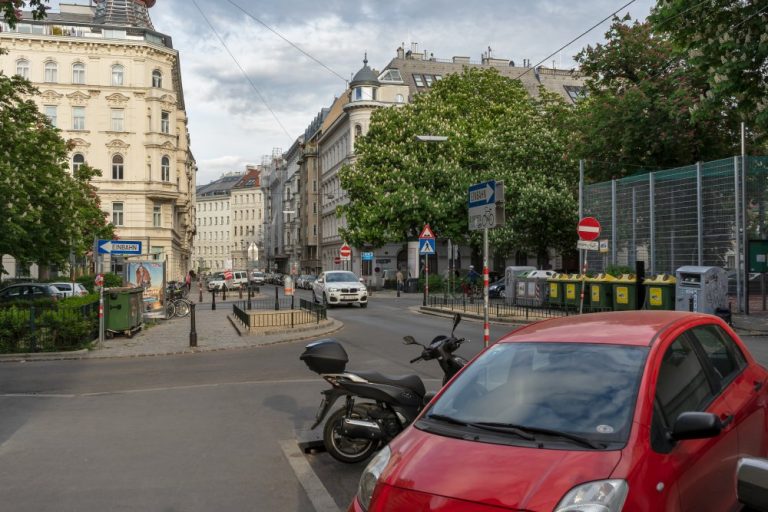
597, 204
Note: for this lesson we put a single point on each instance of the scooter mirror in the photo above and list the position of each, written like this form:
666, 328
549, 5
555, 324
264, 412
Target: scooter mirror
409, 340
456, 320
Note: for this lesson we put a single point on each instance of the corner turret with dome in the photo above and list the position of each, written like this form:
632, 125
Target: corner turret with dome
132, 13
365, 84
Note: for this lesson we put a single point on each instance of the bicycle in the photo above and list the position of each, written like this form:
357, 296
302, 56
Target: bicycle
176, 303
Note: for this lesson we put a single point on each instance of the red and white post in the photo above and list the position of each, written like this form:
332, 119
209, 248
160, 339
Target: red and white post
486, 323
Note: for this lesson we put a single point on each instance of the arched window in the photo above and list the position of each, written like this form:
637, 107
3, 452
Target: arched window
51, 72
358, 131
117, 167
165, 169
78, 73
399, 98
117, 74
77, 161
22, 68
157, 79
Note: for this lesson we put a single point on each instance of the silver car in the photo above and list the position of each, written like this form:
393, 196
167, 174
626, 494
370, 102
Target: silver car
339, 287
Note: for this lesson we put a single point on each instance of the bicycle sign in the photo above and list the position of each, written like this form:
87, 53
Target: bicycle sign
486, 205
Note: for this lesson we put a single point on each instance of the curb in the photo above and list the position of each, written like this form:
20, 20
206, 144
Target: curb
304, 334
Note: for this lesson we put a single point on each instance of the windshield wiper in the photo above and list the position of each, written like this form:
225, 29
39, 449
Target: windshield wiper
556, 433
447, 419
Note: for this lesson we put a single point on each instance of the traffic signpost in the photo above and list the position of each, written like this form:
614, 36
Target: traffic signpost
589, 230
426, 248
485, 204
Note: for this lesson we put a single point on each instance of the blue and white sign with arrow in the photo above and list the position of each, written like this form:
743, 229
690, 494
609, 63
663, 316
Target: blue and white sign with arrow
482, 201
481, 194
119, 247
426, 246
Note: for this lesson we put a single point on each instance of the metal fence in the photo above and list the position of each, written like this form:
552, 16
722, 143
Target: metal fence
692, 215
501, 310
44, 327
277, 316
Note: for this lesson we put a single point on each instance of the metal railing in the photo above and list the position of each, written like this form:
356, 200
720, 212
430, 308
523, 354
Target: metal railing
289, 317
46, 327
501, 310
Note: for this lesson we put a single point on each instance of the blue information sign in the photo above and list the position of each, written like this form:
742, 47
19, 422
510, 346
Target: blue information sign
119, 247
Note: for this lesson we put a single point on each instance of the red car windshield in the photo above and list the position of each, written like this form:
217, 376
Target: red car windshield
584, 389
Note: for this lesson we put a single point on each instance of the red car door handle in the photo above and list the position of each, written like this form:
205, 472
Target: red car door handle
758, 385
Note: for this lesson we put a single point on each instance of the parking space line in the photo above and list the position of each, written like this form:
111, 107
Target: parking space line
316, 491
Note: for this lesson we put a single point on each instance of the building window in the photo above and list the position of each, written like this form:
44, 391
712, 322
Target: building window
399, 98
165, 122
157, 79
22, 68
428, 79
157, 211
78, 73
117, 167
117, 214
358, 131
165, 169
77, 161
118, 116
575, 92
117, 74
50, 112
51, 72
78, 118
358, 93
418, 80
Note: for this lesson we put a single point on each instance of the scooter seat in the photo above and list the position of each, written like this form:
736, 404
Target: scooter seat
411, 381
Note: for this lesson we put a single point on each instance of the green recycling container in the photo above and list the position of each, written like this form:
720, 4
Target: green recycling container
600, 291
556, 289
123, 312
624, 295
572, 290
660, 292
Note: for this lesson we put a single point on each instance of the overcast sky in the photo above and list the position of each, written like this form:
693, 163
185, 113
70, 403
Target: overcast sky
231, 126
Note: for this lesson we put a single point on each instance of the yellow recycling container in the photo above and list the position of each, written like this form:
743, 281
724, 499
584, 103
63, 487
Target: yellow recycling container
660, 292
624, 295
600, 291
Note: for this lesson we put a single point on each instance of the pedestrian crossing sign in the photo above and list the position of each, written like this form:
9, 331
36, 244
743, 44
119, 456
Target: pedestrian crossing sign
427, 246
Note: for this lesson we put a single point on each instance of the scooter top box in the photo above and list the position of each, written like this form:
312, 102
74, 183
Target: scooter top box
325, 356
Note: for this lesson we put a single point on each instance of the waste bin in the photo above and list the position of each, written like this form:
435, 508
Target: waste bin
701, 289
660, 292
411, 285
123, 312
556, 289
624, 295
528, 291
600, 290
572, 290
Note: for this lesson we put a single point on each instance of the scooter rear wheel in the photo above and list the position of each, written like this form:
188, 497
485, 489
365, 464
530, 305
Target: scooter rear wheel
346, 449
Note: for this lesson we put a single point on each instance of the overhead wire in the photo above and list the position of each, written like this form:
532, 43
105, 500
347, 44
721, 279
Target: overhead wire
281, 36
237, 63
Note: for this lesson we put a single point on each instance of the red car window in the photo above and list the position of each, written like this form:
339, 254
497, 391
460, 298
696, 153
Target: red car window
721, 351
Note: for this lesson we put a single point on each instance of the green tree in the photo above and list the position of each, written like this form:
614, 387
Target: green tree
495, 131
45, 211
11, 9
727, 41
640, 95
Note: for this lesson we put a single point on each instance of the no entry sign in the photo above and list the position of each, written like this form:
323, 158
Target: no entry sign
345, 252
588, 229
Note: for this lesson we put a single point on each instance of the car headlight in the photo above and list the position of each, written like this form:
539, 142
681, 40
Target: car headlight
371, 476
599, 496
332, 289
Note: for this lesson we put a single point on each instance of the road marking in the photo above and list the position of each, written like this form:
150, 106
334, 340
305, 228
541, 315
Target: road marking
316, 491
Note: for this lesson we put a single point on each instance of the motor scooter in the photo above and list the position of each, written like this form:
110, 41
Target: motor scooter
377, 406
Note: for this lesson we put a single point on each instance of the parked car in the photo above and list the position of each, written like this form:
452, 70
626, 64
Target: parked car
638, 411
339, 287
258, 278
71, 289
496, 290
30, 291
230, 280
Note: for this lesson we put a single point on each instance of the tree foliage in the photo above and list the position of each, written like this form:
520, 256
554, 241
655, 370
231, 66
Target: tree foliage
727, 41
44, 210
495, 131
11, 9
638, 111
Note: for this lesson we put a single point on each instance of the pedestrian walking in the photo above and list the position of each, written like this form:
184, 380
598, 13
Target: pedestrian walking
399, 277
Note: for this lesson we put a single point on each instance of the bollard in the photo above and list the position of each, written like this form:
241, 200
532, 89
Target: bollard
241, 291
213, 300
291, 308
277, 302
223, 293
249, 298
200, 286
192, 331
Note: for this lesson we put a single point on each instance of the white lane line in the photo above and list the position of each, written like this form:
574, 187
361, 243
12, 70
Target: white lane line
316, 491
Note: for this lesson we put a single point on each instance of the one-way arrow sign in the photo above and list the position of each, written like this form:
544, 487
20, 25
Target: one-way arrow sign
482, 194
119, 247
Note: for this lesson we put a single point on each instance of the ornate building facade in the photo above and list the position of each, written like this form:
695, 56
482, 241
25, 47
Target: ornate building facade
112, 85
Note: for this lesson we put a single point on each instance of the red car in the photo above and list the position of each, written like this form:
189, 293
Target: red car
630, 411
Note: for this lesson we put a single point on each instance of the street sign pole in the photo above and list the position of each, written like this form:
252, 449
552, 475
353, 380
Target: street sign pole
486, 323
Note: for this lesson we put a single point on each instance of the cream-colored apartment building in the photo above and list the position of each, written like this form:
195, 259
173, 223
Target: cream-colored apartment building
112, 85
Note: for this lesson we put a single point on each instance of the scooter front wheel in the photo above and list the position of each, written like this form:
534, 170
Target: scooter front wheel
343, 448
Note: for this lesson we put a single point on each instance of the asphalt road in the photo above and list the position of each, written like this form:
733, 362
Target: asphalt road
197, 432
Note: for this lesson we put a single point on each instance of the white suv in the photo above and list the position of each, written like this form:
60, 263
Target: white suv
339, 287
220, 282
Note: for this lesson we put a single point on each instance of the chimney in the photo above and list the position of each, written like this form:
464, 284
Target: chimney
401, 52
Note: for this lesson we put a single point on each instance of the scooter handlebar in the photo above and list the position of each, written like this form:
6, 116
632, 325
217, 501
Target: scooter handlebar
416, 359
